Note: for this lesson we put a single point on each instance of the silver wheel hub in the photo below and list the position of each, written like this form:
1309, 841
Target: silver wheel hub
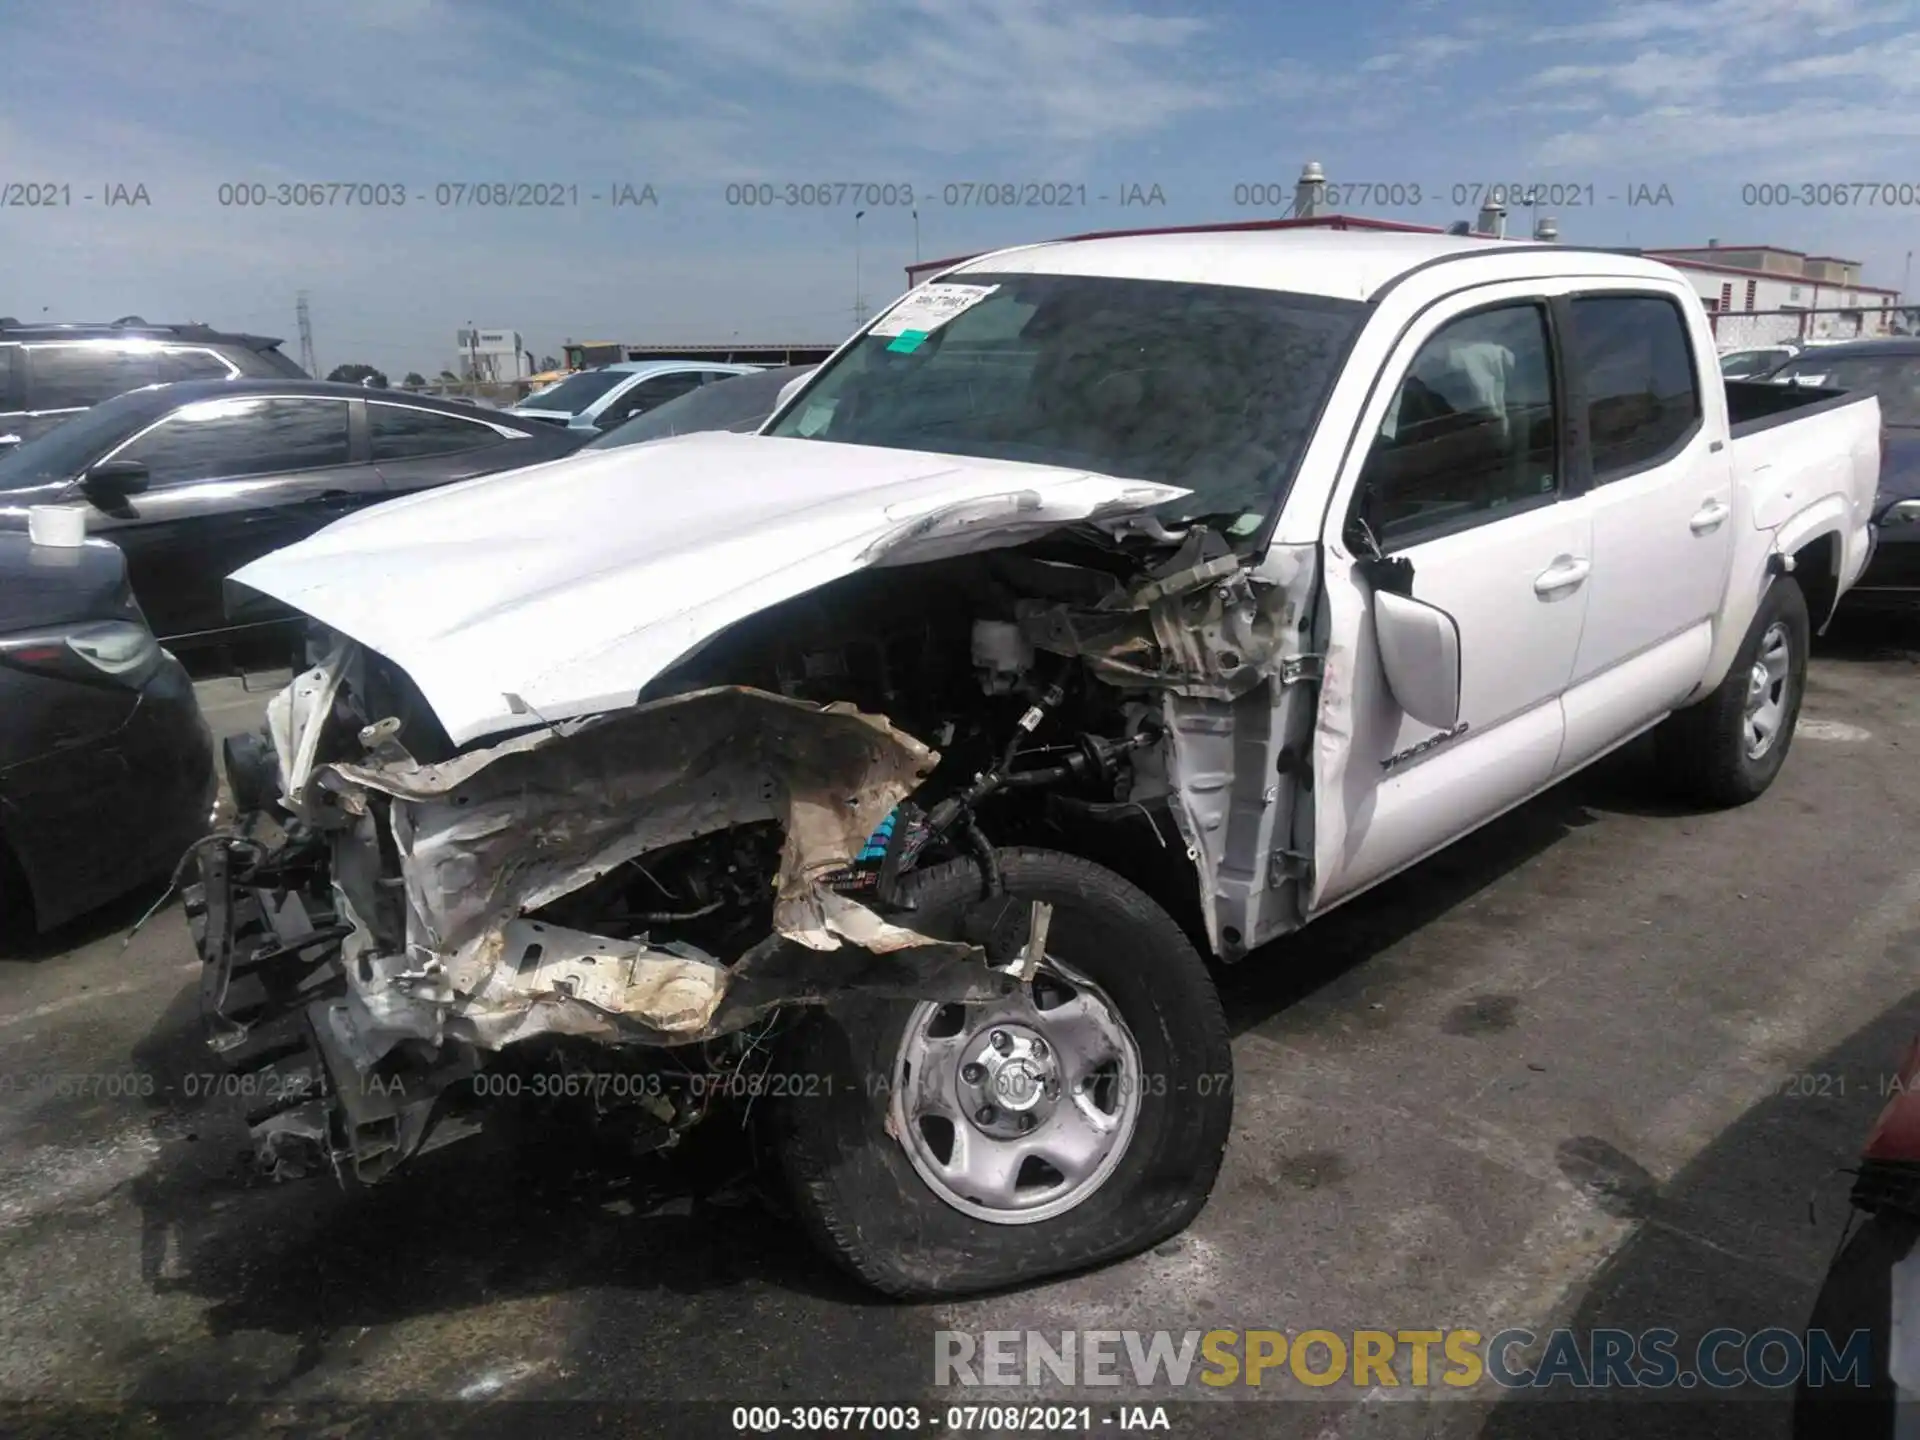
1768, 685
1016, 1111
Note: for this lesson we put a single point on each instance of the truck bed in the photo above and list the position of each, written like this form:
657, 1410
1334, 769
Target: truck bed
1754, 405
1795, 443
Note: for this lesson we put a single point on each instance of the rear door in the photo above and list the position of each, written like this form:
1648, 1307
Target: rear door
415, 448
1460, 477
1659, 483
230, 480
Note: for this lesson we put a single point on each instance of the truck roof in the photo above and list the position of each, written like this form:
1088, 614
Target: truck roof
1344, 264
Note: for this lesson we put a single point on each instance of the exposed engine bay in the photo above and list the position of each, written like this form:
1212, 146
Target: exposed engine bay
643, 898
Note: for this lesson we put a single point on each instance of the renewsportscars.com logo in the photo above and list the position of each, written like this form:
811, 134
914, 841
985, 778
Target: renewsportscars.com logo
1455, 1359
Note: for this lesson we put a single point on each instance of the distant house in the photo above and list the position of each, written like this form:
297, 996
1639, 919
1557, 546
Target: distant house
1739, 279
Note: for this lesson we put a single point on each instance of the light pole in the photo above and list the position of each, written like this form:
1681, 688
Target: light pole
916, 238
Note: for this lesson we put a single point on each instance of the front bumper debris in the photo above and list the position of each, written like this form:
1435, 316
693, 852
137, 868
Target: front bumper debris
371, 946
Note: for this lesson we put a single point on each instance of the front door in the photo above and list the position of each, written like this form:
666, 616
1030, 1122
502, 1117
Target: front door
65, 378
1462, 483
651, 394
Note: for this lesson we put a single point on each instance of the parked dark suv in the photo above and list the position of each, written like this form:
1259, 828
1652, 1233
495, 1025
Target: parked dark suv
50, 373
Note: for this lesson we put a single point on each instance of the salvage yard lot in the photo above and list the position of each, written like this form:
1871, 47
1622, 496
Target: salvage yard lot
1547, 1077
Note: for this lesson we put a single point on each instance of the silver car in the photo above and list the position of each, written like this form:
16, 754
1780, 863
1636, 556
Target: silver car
597, 400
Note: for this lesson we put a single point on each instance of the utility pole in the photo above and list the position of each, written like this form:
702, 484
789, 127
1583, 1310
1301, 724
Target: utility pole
307, 362
859, 300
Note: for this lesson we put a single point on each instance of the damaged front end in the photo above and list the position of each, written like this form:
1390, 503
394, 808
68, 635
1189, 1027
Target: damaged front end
634, 904
369, 948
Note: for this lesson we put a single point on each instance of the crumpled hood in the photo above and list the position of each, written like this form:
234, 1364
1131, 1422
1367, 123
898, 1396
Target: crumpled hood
563, 589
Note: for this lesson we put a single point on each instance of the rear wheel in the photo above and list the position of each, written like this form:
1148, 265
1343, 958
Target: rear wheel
938, 1149
1725, 750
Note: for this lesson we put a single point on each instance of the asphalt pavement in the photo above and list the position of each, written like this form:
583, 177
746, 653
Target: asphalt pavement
1598, 1065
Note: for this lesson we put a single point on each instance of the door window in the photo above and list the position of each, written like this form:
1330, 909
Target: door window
1472, 433
221, 439
194, 365
1643, 403
649, 393
73, 377
401, 432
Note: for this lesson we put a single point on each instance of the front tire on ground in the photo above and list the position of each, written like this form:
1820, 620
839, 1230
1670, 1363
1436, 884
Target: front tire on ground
1724, 750
942, 1150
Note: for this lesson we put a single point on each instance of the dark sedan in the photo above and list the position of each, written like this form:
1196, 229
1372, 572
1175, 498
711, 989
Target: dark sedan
106, 765
194, 480
1890, 369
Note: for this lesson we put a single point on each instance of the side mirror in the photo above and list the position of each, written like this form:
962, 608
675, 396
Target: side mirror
791, 388
109, 484
1420, 652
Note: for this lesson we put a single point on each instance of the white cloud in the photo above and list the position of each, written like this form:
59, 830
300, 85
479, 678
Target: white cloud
1421, 54
962, 74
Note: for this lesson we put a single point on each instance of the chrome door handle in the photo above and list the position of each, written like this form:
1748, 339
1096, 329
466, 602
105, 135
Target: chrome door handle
1708, 517
1564, 574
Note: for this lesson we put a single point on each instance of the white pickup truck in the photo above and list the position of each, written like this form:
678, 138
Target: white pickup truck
879, 780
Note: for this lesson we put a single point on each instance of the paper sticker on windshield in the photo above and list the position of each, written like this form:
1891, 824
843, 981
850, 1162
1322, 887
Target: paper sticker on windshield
816, 417
930, 307
908, 341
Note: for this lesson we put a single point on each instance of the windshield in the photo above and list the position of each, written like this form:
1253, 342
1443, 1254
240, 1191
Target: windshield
1213, 388
577, 392
741, 403
64, 452
1895, 379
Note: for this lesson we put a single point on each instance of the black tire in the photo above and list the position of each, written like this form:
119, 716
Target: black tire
855, 1189
1857, 1295
1702, 750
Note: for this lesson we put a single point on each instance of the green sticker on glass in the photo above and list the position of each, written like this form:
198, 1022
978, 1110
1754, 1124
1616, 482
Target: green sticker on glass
908, 341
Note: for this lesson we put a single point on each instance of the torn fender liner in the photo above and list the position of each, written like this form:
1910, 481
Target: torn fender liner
488, 837
559, 981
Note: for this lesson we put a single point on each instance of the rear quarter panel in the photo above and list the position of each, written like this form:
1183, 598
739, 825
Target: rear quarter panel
1794, 482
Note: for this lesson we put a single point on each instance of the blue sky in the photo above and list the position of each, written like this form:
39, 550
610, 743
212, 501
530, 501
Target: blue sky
691, 96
